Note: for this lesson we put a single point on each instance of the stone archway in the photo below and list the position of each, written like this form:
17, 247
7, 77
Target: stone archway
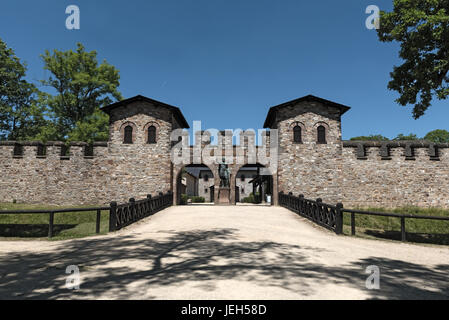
234, 165
257, 180
198, 180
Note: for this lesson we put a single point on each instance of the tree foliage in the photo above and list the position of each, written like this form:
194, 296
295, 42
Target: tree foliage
21, 116
372, 137
437, 136
402, 136
93, 128
82, 87
422, 29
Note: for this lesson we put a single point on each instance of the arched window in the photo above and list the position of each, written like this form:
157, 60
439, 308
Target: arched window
242, 177
128, 137
297, 134
206, 178
152, 134
321, 132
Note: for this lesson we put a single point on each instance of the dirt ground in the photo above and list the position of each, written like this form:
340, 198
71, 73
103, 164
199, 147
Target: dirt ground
223, 252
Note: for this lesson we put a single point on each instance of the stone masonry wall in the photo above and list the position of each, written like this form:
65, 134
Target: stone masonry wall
116, 172
309, 168
76, 180
377, 180
376, 174
140, 168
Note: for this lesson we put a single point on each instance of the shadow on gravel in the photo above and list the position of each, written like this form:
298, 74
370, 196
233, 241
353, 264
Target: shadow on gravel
201, 256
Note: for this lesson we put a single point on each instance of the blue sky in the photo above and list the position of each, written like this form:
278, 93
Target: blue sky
225, 62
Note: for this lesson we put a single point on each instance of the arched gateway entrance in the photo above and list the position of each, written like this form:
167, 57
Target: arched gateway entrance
215, 167
254, 184
195, 184
200, 180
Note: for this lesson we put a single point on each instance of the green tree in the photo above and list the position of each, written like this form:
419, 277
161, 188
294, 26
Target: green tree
410, 136
21, 116
437, 136
94, 128
422, 29
372, 137
82, 87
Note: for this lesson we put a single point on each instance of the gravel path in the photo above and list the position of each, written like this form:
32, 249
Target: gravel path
219, 252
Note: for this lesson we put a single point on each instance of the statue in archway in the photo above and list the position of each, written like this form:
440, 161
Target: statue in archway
224, 174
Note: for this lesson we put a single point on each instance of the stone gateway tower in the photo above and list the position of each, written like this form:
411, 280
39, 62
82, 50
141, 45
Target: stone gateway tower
139, 146
312, 159
310, 146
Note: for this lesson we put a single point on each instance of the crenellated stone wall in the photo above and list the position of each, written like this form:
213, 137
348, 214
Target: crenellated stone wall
54, 179
359, 174
116, 171
395, 174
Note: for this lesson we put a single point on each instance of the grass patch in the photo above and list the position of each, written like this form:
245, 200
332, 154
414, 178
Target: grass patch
67, 225
418, 230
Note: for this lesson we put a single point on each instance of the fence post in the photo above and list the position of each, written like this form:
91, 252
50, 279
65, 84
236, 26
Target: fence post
164, 197
132, 203
150, 207
170, 198
112, 216
352, 223
97, 227
295, 204
319, 202
403, 234
301, 204
161, 201
50, 224
290, 200
339, 219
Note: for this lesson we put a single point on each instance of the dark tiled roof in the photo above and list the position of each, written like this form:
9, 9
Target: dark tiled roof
272, 112
176, 112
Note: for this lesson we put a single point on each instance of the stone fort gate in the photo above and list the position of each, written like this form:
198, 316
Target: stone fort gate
311, 157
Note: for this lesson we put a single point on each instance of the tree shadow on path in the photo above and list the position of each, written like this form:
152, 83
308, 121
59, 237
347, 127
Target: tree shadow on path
113, 264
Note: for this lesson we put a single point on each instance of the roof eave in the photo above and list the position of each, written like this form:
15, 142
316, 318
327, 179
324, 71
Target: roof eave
271, 113
176, 111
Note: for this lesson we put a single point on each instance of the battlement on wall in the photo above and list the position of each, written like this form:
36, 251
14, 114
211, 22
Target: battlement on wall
245, 138
409, 150
51, 149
